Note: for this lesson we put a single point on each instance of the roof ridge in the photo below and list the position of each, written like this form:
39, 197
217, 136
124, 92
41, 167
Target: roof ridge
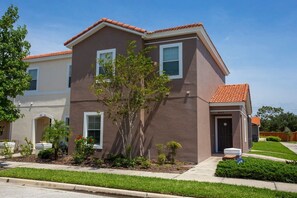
177, 27
131, 27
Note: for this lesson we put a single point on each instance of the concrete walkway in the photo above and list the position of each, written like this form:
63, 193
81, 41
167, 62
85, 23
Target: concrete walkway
263, 157
291, 146
203, 172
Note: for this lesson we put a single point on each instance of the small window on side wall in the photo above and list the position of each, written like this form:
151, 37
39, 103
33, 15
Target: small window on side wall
34, 75
104, 55
171, 60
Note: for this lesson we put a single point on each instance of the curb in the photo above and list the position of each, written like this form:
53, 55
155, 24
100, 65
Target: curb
82, 188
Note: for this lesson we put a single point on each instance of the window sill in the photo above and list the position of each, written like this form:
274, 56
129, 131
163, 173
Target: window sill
97, 147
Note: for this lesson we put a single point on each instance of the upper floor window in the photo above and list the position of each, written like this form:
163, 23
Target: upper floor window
104, 55
33, 83
69, 75
171, 60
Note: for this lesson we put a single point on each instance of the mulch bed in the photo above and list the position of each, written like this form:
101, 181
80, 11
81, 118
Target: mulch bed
179, 167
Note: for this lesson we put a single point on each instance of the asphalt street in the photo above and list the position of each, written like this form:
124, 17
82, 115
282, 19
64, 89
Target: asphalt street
8, 190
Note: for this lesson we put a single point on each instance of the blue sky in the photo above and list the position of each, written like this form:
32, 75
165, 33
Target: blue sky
256, 39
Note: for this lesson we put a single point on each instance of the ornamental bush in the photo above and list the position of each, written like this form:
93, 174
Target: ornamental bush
84, 148
258, 169
27, 148
273, 139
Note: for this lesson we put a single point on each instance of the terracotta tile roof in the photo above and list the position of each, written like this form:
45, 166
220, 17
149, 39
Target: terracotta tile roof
48, 54
130, 27
177, 28
107, 21
231, 93
256, 120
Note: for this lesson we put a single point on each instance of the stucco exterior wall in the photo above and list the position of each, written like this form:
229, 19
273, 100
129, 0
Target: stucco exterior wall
209, 77
51, 99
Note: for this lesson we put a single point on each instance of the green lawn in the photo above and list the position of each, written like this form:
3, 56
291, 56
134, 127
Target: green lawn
274, 149
156, 185
259, 169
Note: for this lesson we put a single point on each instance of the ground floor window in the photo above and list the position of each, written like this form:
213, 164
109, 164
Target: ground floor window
93, 127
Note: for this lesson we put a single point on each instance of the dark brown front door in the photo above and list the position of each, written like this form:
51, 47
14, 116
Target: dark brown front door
224, 133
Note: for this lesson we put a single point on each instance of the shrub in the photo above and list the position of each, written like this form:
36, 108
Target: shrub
273, 139
6, 152
161, 159
145, 164
46, 154
160, 148
142, 162
55, 134
27, 149
259, 169
288, 132
97, 162
84, 148
172, 146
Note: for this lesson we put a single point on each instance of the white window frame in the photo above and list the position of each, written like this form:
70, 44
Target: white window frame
37, 78
68, 73
180, 59
113, 51
85, 132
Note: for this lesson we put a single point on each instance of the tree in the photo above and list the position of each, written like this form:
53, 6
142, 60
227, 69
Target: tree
13, 76
275, 119
57, 134
266, 113
126, 86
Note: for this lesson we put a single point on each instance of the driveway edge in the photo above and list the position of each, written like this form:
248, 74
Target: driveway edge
82, 188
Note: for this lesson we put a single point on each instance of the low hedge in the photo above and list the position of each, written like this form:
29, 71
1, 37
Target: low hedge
258, 169
273, 139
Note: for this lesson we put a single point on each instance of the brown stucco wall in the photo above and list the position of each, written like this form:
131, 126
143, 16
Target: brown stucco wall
209, 77
83, 72
176, 117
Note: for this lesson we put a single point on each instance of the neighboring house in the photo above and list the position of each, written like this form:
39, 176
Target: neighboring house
256, 124
200, 112
48, 97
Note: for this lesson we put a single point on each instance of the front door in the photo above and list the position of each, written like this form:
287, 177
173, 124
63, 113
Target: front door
224, 134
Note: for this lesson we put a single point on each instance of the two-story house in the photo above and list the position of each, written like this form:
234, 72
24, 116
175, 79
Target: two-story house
48, 97
200, 112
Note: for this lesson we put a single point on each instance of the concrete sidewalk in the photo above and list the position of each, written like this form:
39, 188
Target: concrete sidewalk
291, 146
203, 172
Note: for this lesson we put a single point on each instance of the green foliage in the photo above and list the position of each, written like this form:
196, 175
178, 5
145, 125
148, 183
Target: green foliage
6, 152
130, 83
142, 162
258, 169
172, 146
145, 184
97, 162
46, 153
275, 119
13, 76
27, 149
55, 134
161, 159
160, 148
84, 148
273, 139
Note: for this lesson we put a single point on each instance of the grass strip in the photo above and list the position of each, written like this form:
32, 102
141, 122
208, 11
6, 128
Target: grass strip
146, 184
259, 169
273, 149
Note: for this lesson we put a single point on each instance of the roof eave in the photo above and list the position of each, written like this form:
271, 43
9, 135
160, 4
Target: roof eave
47, 58
94, 30
200, 31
